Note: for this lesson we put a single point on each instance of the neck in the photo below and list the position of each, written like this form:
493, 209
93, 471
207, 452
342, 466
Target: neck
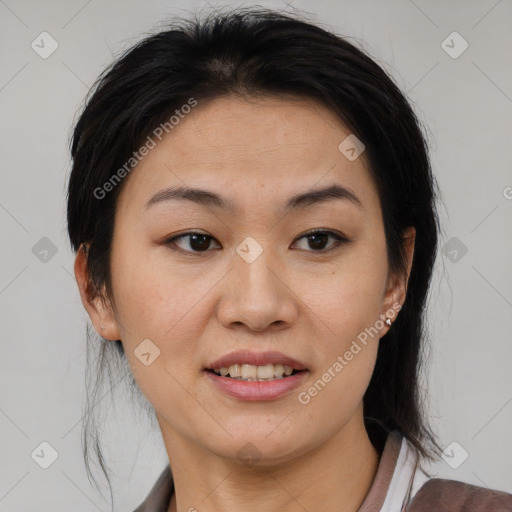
336, 475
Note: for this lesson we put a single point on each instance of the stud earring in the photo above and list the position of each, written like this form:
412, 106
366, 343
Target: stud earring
102, 327
388, 321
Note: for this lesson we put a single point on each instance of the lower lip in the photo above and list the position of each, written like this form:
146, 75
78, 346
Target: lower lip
254, 390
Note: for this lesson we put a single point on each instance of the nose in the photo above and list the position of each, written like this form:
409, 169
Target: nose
258, 295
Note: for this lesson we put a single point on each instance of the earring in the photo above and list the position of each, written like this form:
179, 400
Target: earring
388, 321
102, 327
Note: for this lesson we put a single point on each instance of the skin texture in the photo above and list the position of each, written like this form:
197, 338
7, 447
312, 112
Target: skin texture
294, 298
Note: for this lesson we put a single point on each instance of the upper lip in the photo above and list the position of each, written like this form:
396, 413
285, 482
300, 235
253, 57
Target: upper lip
257, 359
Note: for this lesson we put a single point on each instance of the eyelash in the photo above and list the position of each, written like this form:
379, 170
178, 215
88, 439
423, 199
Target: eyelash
340, 240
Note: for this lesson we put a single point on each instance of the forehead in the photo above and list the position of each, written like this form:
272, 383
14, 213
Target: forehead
256, 148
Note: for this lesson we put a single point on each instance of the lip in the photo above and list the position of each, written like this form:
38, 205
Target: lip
254, 390
257, 359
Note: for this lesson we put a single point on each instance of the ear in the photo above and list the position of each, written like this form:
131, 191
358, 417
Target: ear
397, 285
97, 305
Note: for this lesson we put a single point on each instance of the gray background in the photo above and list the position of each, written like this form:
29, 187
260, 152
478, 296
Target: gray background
466, 103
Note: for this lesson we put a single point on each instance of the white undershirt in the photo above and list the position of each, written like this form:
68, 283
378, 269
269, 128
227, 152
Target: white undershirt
401, 478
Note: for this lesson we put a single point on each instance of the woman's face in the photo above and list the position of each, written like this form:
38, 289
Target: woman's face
258, 284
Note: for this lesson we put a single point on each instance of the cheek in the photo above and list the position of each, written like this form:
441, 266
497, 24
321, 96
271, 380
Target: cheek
347, 299
336, 392
346, 309
163, 308
155, 297
157, 304
347, 303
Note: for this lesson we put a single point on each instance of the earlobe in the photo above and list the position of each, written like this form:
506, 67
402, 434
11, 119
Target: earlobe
97, 305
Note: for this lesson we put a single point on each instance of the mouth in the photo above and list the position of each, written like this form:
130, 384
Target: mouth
256, 389
254, 373
256, 376
256, 366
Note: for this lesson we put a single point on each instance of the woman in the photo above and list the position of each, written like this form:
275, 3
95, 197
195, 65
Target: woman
253, 211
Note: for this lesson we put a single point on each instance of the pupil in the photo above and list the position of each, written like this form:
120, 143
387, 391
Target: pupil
204, 239
322, 236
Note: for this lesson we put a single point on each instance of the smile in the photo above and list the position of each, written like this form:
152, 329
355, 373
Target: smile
251, 372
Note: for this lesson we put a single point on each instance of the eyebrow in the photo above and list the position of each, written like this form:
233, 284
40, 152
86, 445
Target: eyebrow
208, 198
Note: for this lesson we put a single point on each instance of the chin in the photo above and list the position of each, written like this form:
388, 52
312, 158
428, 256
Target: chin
260, 446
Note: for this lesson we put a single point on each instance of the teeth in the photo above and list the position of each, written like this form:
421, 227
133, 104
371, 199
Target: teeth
255, 373
265, 372
235, 370
249, 372
279, 370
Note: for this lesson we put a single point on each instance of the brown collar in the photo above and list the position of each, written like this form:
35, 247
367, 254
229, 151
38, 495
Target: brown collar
444, 495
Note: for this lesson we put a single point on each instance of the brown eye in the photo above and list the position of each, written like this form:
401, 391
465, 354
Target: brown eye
198, 242
318, 239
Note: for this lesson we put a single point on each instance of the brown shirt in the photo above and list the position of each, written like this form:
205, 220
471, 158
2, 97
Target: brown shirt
400, 485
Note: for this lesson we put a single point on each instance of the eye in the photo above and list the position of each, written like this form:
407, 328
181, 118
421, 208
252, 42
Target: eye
317, 239
199, 242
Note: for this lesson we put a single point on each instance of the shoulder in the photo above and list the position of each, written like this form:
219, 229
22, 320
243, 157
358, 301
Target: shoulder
444, 495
